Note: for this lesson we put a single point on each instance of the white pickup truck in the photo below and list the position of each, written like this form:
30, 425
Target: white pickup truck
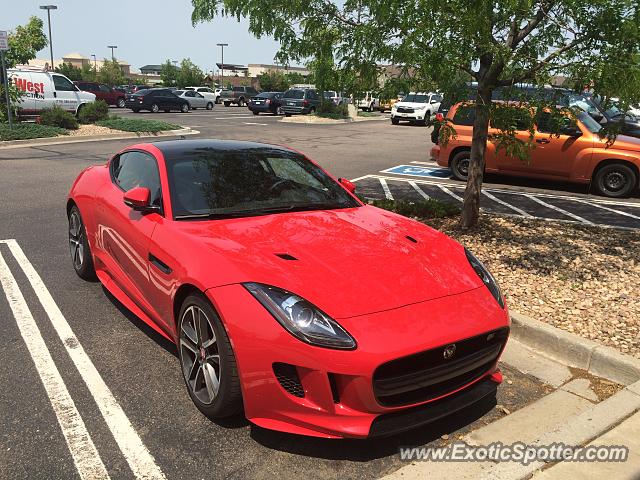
369, 103
417, 107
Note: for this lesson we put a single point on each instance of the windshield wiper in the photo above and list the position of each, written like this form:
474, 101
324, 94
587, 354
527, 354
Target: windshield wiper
261, 211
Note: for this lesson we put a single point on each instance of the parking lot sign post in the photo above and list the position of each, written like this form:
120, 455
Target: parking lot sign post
4, 46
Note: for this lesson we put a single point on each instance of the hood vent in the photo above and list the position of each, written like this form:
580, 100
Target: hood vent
411, 239
285, 256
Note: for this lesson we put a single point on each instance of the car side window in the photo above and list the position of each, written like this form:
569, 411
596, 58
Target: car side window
62, 84
104, 88
547, 123
190, 93
465, 115
137, 169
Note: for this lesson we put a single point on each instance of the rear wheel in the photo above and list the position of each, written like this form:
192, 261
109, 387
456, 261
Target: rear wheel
136, 110
120, 103
615, 180
207, 360
184, 108
209, 106
395, 121
79, 246
226, 104
255, 112
155, 108
460, 165
241, 102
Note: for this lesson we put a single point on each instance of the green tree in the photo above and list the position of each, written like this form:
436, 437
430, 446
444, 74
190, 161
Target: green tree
295, 78
189, 74
25, 41
88, 72
69, 71
273, 81
496, 43
169, 74
110, 73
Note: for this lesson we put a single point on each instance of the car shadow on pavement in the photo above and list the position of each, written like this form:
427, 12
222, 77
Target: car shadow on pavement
371, 449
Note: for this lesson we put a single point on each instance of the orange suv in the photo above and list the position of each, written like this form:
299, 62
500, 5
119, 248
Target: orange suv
577, 155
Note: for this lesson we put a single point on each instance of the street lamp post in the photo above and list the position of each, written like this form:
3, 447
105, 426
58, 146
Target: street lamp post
48, 8
112, 47
222, 45
95, 62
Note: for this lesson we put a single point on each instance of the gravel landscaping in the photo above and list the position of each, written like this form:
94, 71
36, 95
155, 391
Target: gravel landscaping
585, 280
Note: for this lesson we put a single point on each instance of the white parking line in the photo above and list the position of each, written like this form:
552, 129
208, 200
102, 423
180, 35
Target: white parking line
139, 458
619, 212
385, 187
558, 209
419, 190
254, 123
449, 192
83, 451
502, 202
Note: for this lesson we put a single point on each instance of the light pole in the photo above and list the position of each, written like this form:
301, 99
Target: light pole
95, 62
222, 45
113, 58
48, 8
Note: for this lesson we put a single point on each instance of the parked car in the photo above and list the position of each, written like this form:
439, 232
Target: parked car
43, 89
238, 252
206, 92
156, 99
238, 96
196, 100
387, 104
369, 102
218, 92
136, 88
628, 123
109, 95
338, 98
417, 108
300, 101
266, 102
578, 154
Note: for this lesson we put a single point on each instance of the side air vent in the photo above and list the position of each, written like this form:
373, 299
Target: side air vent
288, 377
411, 239
286, 256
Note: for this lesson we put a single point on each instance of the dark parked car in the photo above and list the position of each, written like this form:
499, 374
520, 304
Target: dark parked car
103, 92
238, 96
137, 88
156, 99
266, 102
298, 100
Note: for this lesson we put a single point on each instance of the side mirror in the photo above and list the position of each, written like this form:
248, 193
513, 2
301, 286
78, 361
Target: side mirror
139, 199
571, 131
349, 185
433, 101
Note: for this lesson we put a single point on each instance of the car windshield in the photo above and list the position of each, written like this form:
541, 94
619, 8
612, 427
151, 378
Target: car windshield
588, 121
264, 95
214, 183
330, 94
294, 94
415, 98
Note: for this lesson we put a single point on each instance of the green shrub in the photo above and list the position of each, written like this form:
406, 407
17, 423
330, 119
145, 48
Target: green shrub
424, 209
58, 117
94, 112
26, 131
137, 125
328, 109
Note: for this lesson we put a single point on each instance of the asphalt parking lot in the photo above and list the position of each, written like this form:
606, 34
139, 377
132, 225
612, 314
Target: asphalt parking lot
137, 387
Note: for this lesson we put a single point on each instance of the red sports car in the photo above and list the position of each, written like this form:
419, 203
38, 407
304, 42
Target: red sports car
288, 298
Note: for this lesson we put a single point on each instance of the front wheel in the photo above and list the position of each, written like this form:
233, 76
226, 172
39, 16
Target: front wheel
226, 104
208, 363
460, 165
255, 112
209, 106
155, 108
395, 121
616, 180
79, 246
241, 102
120, 103
184, 108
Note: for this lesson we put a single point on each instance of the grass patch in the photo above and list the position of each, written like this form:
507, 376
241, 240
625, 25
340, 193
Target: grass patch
424, 210
137, 125
367, 114
26, 131
332, 115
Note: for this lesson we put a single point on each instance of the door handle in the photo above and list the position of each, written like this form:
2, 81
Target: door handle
159, 264
542, 140
55, 94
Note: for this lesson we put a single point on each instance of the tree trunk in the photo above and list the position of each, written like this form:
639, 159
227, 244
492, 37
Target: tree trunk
471, 204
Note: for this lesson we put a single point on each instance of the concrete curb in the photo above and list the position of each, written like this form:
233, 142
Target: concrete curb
92, 138
575, 351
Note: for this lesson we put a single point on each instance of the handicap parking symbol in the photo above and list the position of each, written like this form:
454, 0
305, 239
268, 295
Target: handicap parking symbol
415, 171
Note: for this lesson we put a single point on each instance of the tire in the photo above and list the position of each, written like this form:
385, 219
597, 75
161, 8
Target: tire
312, 110
256, 112
241, 102
135, 110
184, 108
80, 107
197, 360
120, 103
81, 257
155, 108
287, 114
279, 111
209, 106
395, 121
226, 104
459, 165
615, 180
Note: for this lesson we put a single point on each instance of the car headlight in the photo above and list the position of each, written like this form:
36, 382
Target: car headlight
300, 318
486, 277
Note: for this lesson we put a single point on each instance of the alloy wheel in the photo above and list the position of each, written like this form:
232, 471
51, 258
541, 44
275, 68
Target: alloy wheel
615, 180
199, 355
76, 240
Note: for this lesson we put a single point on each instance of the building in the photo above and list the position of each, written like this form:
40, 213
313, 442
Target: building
151, 69
233, 70
256, 69
78, 60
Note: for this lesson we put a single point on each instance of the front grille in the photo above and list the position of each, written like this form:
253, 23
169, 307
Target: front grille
404, 109
428, 374
287, 375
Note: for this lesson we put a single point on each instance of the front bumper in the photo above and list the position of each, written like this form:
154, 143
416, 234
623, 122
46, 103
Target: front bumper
296, 110
335, 396
415, 116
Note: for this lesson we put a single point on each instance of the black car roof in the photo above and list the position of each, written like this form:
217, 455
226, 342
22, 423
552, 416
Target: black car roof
172, 148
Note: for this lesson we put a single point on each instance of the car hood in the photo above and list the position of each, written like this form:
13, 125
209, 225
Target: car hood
626, 142
410, 104
347, 262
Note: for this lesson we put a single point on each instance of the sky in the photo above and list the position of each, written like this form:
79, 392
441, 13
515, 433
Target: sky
145, 31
